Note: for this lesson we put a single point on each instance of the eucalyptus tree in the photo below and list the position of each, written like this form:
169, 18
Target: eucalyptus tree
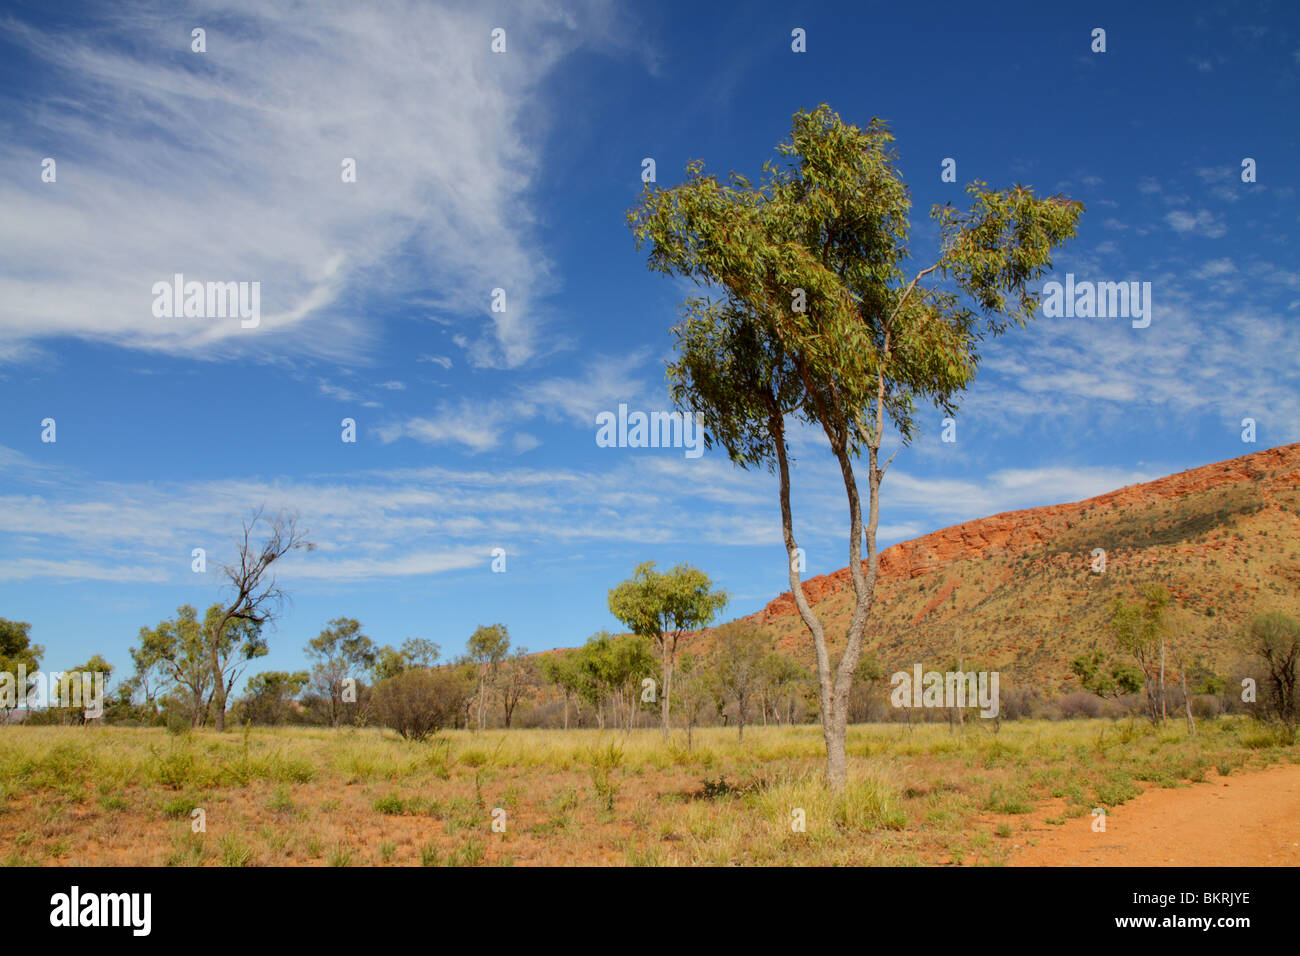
564, 669
175, 655
20, 660
664, 606
1141, 628
738, 663
816, 320
487, 647
340, 653
416, 653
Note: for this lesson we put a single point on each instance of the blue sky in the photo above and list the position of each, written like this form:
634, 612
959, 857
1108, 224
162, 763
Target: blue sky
479, 170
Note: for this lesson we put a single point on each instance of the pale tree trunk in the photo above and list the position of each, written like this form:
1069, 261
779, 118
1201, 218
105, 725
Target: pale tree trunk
810, 619
1163, 714
864, 586
834, 689
482, 699
1187, 701
667, 657
218, 692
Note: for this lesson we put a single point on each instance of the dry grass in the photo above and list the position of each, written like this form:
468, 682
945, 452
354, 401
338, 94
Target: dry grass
106, 796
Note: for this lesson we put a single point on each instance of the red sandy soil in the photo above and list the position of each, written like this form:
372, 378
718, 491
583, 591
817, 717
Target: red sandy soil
1247, 819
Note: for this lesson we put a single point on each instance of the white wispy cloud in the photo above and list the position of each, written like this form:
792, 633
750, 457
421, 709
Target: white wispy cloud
482, 425
1202, 223
226, 165
475, 425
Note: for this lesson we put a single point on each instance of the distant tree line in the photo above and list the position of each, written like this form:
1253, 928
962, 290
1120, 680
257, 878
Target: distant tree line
186, 670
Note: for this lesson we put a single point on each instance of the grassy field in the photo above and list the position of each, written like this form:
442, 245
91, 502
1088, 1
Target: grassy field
109, 796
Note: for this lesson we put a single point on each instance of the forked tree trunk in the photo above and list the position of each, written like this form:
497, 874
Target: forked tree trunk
835, 688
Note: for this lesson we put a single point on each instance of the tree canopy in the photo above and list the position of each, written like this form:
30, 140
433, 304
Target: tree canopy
814, 317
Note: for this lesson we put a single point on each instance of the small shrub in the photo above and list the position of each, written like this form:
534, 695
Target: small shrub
602, 762
419, 703
234, 852
390, 804
280, 801
1080, 704
340, 856
1007, 800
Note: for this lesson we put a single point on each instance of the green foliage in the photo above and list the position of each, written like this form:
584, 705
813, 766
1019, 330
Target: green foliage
698, 696
785, 678
1202, 679
1141, 628
817, 320
1104, 676
833, 222
73, 692
869, 669
267, 696
608, 667
602, 765
176, 652
177, 656
738, 665
661, 606
390, 804
489, 644
16, 650
414, 653
339, 653
567, 671
487, 647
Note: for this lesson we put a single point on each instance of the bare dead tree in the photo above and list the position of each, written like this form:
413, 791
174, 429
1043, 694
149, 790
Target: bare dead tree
257, 598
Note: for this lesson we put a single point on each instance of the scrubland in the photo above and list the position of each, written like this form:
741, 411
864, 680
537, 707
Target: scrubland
287, 797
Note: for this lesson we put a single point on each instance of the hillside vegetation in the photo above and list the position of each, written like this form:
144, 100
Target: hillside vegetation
1017, 592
